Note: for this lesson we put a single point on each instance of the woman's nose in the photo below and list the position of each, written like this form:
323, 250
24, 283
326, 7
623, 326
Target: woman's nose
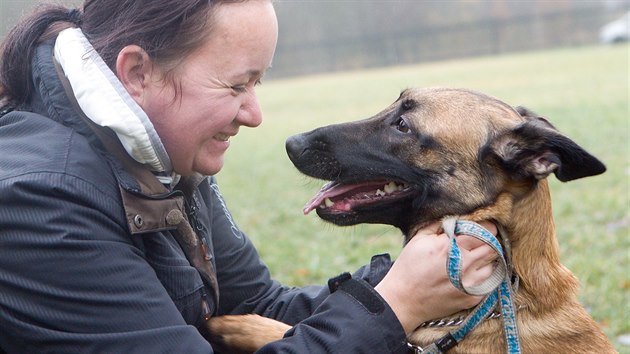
250, 114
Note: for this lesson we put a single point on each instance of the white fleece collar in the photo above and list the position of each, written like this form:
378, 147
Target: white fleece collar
107, 103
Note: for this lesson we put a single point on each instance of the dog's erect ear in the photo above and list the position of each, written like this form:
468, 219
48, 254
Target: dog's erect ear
536, 149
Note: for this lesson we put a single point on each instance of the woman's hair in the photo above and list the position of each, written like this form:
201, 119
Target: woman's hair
168, 30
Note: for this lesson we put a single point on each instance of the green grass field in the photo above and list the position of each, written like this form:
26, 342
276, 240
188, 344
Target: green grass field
583, 91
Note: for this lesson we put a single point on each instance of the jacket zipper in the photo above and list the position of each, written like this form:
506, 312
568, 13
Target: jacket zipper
205, 308
199, 228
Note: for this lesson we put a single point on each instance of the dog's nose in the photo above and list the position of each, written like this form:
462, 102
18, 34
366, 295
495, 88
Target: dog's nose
295, 146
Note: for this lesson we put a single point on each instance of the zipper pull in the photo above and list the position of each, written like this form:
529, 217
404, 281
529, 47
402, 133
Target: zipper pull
205, 249
205, 308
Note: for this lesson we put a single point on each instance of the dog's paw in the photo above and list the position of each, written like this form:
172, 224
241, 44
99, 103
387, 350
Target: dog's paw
240, 334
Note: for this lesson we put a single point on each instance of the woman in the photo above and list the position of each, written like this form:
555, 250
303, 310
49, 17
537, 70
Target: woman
114, 240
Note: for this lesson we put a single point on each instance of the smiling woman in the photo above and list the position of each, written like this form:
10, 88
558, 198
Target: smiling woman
217, 87
120, 114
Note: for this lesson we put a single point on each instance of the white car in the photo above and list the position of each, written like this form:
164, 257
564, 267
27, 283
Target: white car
616, 31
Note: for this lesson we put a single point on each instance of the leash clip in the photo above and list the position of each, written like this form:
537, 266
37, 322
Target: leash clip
416, 349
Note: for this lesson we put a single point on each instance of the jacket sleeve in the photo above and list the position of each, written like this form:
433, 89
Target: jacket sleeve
353, 319
342, 322
71, 279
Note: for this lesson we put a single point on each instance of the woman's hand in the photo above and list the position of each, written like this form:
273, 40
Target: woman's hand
417, 287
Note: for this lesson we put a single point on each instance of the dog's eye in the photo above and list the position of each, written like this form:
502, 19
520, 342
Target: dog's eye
401, 125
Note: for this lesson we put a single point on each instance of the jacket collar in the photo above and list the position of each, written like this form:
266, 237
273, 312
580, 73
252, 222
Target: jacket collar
149, 205
141, 193
105, 101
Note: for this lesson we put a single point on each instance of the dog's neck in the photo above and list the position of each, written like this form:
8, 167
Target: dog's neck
547, 289
544, 281
528, 223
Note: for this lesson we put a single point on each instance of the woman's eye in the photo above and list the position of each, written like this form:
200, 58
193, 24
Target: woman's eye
244, 87
239, 89
401, 125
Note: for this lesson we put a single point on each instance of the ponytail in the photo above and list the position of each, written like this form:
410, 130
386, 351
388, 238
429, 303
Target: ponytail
18, 47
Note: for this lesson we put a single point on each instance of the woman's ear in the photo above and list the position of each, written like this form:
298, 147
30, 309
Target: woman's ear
134, 69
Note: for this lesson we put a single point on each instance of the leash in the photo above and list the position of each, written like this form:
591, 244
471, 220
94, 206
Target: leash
497, 290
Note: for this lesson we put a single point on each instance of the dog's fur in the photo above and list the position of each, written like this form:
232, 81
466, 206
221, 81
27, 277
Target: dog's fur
460, 153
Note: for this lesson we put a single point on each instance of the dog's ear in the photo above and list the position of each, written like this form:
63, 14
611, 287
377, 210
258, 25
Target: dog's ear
535, 149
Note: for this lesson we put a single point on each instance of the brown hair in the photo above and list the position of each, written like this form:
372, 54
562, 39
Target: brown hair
168, 30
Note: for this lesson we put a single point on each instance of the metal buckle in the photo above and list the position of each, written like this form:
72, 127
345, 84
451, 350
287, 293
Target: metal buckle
6, 109
416, 349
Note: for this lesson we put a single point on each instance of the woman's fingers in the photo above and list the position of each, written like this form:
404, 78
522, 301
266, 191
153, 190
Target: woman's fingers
417, 284
479, 259
469, 242
481, 255
477, 275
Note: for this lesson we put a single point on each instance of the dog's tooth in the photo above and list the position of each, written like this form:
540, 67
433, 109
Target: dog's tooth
328, 203
380, 193
390, 187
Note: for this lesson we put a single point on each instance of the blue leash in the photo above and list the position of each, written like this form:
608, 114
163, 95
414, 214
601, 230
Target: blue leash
497, 290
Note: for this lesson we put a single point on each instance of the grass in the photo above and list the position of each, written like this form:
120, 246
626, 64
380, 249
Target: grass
583, 91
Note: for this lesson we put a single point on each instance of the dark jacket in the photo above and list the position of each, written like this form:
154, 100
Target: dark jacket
82, 272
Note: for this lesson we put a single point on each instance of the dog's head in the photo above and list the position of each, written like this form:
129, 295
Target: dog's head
434, 152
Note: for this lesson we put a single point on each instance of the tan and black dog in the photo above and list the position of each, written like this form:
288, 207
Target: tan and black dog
442, 152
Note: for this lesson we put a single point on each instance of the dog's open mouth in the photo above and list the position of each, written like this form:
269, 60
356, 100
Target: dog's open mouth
340, 198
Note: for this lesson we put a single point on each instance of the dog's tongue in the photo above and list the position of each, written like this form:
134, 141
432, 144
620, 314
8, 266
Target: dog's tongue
329, 190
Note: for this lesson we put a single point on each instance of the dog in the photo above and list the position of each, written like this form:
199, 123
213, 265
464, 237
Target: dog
442, 152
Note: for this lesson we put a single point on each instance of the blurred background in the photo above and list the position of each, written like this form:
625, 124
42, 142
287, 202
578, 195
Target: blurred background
333, 35
319, 36
341, 60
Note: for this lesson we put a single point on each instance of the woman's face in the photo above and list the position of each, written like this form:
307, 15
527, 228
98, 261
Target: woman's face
217, 84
